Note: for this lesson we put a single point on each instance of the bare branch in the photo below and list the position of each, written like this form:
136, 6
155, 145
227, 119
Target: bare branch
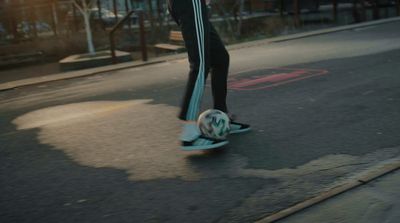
92, 3
78, 6
84, 5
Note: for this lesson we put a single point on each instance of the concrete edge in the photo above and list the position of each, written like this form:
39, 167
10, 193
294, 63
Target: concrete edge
366, 177
92, 71
72, 74
312, 33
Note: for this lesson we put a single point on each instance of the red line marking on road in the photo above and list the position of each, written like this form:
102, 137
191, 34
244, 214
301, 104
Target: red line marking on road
269, 81
270, 78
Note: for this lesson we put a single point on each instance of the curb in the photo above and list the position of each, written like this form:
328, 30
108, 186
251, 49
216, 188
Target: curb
92, 71
312, 33
75, 74
364, 178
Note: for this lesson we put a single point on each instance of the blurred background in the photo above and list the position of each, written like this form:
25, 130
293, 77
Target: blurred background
39, 33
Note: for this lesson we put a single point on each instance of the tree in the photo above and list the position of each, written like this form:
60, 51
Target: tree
84, 7
241, 8
150, 14
224, 15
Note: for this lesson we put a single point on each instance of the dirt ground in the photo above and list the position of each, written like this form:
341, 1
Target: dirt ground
23, 72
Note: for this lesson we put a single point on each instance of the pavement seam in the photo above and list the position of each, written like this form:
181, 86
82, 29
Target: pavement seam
365, 178
89, 72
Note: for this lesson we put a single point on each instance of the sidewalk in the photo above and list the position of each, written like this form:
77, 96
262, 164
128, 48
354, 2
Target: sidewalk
374, 202
92, 71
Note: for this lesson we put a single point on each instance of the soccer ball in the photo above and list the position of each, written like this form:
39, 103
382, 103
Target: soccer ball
214, 123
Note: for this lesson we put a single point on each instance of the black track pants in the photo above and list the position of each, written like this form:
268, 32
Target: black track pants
205, 51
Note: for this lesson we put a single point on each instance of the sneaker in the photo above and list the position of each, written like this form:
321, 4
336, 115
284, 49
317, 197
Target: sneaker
203, 143
237, 127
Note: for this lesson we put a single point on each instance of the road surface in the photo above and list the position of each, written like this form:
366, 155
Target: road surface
105, 148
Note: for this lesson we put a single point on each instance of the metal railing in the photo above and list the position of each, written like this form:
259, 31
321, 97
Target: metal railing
141, 31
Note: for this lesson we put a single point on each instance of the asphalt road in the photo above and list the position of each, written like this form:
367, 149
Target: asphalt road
105, 148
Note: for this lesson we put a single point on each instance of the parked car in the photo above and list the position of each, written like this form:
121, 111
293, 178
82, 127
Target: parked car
2, 29
3, 32
106, 17
311, 5
26, 27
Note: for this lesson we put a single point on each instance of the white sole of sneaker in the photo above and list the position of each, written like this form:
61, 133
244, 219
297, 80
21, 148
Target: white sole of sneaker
240, 131
205, 147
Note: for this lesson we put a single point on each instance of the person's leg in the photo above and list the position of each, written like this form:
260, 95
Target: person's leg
219, 77
191, 15
194, 25
219, 70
